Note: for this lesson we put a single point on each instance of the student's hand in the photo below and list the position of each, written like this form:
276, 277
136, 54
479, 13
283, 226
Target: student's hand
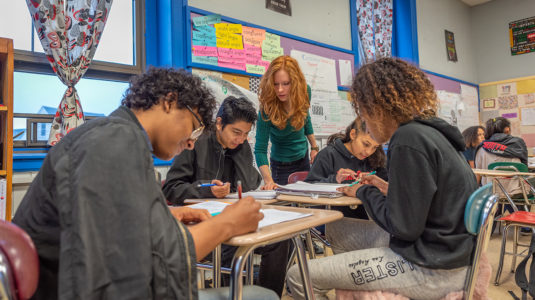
375, 181
269, 186
220, 190
342, 174
186, 214
243, 216
350, 191
313, 154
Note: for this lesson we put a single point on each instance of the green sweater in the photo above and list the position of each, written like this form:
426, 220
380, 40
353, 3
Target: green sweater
287, 144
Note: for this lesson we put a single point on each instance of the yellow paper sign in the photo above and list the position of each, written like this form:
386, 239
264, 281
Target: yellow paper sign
234, 28
223, 43
235, 41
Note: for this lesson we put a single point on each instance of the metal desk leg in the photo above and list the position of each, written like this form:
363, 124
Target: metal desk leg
238, 263
310, 245
303, 267
216, 267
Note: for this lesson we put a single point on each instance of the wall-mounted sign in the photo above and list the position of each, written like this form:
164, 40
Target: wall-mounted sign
450, 46
522, 36
280, 6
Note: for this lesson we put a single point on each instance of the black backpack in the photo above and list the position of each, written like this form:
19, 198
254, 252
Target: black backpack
520, 273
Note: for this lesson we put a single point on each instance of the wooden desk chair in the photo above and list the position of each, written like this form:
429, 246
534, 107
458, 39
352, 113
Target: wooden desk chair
19, 264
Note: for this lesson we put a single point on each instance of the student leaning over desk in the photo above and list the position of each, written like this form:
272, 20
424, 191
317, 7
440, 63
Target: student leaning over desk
427, 249
223, 156
284, 119
345, 155
97, 216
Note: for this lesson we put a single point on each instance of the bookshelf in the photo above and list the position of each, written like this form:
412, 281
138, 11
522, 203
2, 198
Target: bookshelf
6, 120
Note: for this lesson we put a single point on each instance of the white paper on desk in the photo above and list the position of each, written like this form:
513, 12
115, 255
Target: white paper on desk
274, 216
213, 207
261, 195
301, 186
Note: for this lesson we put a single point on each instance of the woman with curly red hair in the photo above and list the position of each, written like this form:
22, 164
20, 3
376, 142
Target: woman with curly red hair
284, 119
417, 244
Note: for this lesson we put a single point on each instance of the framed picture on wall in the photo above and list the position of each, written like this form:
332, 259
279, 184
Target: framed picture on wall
522, 36
450, 46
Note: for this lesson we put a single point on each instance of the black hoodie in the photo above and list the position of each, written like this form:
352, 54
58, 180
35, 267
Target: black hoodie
429, 185
207, 161
506, 145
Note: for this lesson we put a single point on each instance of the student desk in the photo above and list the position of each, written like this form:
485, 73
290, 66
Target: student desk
261, 201
309, 201
275, 233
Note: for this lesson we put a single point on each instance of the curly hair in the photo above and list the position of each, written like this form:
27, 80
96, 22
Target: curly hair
272, 107
149, 88
496, 125
392, 88
377, 159
470, 135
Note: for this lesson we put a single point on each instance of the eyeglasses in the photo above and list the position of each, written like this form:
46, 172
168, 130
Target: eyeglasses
197, 132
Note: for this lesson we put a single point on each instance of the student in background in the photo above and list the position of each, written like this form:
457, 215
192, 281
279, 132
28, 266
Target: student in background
284, 119
97, 215
500, 146
427, 175
223, 156
473, 136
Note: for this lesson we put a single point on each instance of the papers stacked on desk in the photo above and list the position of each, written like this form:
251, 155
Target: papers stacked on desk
301, 188
271, 216
261, 195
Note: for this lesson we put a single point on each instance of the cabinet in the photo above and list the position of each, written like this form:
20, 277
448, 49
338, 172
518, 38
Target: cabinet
6, 124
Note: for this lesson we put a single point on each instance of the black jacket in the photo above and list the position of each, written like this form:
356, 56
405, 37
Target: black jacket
99, 220
335, 157
506, 145
208, 161
429, 185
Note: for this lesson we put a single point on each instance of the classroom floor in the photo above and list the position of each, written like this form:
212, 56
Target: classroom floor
507, 281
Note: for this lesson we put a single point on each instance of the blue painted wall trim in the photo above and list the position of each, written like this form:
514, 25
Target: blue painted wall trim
405, 31
354, 31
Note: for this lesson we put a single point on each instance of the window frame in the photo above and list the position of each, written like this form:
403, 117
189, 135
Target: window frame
36, 62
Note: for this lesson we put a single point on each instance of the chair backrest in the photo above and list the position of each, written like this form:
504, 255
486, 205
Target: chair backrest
297, 176
19, 264
478, 217
508, 166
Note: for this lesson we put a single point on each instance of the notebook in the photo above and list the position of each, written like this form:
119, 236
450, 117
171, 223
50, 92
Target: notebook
301, 188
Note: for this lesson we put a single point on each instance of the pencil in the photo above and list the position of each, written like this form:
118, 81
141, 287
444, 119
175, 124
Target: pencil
239, 189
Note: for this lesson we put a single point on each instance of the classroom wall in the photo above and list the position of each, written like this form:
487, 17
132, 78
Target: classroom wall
490, 32
319, 20
435, 16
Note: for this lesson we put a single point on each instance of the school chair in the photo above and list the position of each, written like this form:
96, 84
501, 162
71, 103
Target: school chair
478, 217
525, 198
297, 176
19, 264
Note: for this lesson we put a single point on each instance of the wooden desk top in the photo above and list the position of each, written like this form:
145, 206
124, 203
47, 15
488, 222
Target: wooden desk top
193, 201
285, 230
340, 201
500, 173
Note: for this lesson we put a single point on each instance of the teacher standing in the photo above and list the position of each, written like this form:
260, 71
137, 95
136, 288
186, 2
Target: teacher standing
284, 119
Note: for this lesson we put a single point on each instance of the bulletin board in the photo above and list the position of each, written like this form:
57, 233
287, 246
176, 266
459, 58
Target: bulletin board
221, 44
512, 99
458, 100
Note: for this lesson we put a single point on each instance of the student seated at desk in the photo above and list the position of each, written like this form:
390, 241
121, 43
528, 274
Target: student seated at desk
426, 249
345, 155
500, 146
223, 156
473, 136
97, 215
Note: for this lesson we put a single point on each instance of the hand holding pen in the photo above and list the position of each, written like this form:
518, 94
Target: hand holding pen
346, 174
218, 188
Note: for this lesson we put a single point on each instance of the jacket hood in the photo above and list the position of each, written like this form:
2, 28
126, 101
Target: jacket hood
506, 145
452, 133
340, 147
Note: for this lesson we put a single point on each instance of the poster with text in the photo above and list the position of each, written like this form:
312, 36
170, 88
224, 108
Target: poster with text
522, 36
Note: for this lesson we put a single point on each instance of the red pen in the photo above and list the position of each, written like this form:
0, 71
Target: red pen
239, 189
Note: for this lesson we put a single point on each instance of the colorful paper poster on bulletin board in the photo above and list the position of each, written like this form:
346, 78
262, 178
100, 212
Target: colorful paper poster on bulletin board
522, 36
222, 42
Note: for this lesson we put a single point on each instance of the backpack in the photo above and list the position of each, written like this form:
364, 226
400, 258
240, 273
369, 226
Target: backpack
520, 273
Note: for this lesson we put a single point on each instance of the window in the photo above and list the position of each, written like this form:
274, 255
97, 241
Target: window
120, 54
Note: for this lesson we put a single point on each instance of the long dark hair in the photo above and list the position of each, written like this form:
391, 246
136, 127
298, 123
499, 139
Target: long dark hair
496, 125
377, 159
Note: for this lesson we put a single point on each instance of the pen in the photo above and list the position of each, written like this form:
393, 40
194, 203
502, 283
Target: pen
356, 182
206, 184
239, 189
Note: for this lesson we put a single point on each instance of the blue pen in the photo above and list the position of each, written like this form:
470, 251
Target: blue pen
206, 184
356, 182
215, 214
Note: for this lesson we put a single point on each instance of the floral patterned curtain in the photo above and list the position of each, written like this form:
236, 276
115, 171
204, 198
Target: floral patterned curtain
374, 19
70, 34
